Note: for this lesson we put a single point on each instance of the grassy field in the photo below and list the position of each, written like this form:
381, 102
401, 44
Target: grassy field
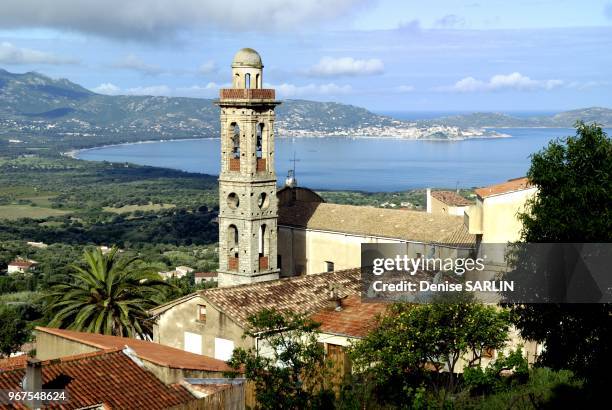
13, 212
132, 208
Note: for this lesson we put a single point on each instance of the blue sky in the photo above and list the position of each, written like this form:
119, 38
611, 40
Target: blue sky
439, 55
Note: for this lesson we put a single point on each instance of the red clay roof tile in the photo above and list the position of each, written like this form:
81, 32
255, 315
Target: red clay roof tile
512, 185
303, 294
355, 319
450, 198
106, 377
149, 351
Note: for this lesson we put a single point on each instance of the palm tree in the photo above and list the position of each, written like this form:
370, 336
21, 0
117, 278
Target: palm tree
110, 296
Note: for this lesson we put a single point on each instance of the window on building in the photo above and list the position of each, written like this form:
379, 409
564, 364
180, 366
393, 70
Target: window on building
202, 313
259, 144
223, 349
279, 262
262, 240
192, 343
235, 136
329, 266
247, 80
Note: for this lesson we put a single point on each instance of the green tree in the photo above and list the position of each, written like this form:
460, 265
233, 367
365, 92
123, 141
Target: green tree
574, 180
288, 366
14, 331
412, 344
108, 296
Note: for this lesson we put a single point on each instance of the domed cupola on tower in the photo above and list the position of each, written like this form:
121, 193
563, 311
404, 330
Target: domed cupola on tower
247, 69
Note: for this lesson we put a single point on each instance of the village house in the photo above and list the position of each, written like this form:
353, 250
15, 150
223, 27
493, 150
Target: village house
39, 245
202, 277
343, 322
170, 365
446, 202
103, 379
21, 265
212, 321
178, 272
494, 217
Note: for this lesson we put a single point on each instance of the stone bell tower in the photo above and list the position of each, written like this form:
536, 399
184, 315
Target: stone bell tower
248, 209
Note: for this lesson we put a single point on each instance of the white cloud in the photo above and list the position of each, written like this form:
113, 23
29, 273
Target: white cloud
211, 90
10, 54
208, 90
512, 81
287, 90
207, 67
329, 67
157, 20
133, 62
112, 89
107, 88
158, 90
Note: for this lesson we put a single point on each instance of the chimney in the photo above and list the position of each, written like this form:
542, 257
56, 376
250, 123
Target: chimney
33, 376
33, 380
428, 199
334, 301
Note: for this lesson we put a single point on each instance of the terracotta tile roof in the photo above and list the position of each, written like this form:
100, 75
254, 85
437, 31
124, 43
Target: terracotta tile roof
302, 294
21, 263
11, 362
152, 352
366, 220
107, 377
512, 185
206, 274
354, 320
450, 198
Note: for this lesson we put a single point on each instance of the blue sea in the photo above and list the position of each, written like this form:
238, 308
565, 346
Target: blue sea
361, 164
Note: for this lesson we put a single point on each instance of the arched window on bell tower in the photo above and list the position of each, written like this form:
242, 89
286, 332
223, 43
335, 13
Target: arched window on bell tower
261, 165
235, 135
263, 244
247, 80
233, 247
259, 142
234, 140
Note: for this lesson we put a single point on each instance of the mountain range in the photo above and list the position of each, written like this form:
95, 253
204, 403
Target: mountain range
36, 108
602, 116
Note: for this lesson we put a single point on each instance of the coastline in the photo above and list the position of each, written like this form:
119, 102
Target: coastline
73, 153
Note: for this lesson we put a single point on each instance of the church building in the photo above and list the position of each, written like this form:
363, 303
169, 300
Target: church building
287, 249
265, 234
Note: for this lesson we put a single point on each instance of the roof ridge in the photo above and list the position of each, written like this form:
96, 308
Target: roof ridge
145, 349
178, 300
65, 359
61, 332
205, 292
